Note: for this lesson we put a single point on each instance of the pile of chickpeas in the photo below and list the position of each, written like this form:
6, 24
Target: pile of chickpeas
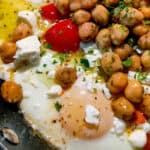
110, 23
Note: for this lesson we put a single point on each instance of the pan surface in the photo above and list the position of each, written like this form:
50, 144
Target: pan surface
12, 119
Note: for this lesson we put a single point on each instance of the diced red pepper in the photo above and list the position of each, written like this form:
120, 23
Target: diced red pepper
139, 117
63, 36
147, 146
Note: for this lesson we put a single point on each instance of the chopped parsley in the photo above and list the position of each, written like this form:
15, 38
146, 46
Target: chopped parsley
127, 62
42, 53
94, 90
58, 106
38, 72
47, 45
85, 62
146, 22
54, 62
44, 65
130, 41
84, 79
90, 51
140, 76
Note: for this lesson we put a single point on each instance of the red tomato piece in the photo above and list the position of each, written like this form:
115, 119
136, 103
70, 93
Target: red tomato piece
50, 12
63, 36
147, 146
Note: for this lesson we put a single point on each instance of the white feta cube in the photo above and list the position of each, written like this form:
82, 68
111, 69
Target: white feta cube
145, 126
51, 74
92, 115
138, 138
28, 51
146, 89
30, 18
119, 126
54, 91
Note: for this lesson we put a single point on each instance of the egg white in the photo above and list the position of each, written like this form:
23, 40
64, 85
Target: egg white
39, 111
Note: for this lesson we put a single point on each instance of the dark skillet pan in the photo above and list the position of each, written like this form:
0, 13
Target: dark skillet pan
12, 119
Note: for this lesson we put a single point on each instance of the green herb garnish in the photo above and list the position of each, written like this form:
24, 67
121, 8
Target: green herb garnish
42, 53
44, 65
39, 72
127, 62
85, 62
140, 76
146, 22
54, 62
47, 45
58, 106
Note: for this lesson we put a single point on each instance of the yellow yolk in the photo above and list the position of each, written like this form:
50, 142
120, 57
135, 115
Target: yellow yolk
8, 16
72, 114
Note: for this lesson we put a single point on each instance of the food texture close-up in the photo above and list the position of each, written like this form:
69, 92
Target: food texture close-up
78, 71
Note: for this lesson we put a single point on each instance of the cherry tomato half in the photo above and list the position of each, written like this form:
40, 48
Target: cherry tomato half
63, 36
50, 12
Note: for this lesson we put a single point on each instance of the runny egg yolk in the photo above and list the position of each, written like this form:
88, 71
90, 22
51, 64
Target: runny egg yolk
72, 114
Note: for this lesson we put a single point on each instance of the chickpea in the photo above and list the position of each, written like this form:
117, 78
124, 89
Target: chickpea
146, 12
145, 106
123, 51
136, 63
111, 63
141, 29
144, 3
21, 31
145, 59
75, 5
11, 92
109, 3
63, 6
134, 3
7, 51
117, 82
88, 31
144, 41
130, 16
100, 15
122, 108
88, 4
134, 91
81, 16
103, 39
65, 76
118, 33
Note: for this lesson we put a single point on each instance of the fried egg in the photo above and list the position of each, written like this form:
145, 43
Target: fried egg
67, 129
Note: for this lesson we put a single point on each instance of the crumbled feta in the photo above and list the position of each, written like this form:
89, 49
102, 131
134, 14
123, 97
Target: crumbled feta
51, 74
133, 75
30, 17
92, 115
54, 91
93, 57
36, 1
4, 75
119, 126
138, 138
28, 51
87, 46
145, 126
147, 80
146, 89
91, 87
80, 70
106, 92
